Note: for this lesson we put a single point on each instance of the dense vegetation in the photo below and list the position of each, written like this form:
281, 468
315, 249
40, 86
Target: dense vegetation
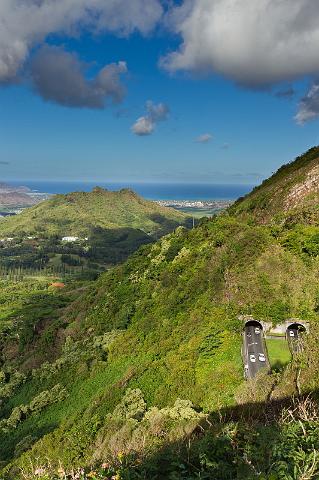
77, 213
140, 373
107, 227
22, 257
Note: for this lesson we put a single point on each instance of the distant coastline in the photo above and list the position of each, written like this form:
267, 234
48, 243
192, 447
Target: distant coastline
151, 191
198, 200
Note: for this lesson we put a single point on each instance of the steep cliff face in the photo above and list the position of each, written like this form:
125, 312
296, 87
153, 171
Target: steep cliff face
305, 190
292, 191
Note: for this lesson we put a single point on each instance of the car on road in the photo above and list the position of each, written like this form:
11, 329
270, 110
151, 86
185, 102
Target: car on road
257, 330
261, 357
252, 358
248, 334
291, 333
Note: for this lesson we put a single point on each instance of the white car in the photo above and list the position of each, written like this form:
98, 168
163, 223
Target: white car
291, 333
261, 357
257, 330
252, 358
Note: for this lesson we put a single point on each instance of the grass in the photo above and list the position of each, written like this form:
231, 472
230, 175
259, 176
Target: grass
200, 212
278, 352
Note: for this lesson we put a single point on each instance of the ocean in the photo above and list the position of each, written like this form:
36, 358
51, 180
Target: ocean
152, 191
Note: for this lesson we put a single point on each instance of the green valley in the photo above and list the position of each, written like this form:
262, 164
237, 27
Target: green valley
138, 374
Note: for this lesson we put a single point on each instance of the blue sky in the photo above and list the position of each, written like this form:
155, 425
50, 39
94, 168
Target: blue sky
253, 130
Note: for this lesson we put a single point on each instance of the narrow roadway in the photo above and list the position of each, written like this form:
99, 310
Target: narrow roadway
253, 345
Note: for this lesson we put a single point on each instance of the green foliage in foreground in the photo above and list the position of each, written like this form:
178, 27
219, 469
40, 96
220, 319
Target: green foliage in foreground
179, 443
166, 323
148, 361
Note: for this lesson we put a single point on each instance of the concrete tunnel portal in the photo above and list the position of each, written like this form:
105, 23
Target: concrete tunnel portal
294, 334
297, 326
253, 323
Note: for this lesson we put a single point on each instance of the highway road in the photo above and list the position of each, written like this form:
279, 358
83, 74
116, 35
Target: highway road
253, 345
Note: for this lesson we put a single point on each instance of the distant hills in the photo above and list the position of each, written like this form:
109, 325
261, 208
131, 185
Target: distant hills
11, 196
82, 232
79, 213
6, 188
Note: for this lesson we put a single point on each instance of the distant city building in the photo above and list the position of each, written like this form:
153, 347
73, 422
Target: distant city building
70, 239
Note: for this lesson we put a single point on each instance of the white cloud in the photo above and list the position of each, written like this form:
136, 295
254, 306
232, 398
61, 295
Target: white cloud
254, 42
204, 138
155, 113
25, 24
309, 106
143, 126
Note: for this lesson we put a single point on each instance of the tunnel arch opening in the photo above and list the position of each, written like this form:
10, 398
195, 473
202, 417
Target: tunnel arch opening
253, 323
297, 326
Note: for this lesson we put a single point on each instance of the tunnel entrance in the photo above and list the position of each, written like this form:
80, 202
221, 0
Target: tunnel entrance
297, 326
253, 323
294, 335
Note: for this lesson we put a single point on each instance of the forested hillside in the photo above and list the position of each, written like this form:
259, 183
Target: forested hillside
139, 375
80, 234
78, 213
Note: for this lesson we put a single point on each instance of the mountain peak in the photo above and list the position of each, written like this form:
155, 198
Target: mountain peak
77, 213
98, 189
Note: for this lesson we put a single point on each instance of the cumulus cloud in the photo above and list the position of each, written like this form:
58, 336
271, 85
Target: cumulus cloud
155, 113
255, 43
204, 138
59, 76
309, 105
25, 24
143, 126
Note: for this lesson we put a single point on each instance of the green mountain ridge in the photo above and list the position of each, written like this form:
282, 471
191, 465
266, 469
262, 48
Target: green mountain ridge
104, 228
77, 213
290, 195
139, 375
